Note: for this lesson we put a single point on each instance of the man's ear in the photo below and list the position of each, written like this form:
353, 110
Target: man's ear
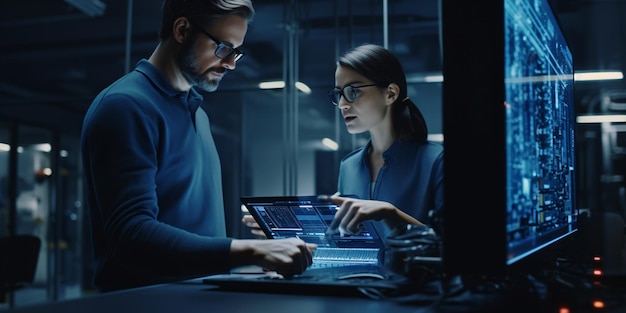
180, 29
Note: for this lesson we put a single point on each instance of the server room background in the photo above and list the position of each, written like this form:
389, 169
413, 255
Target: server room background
56, 55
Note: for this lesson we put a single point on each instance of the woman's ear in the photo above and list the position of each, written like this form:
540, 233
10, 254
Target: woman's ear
393, 92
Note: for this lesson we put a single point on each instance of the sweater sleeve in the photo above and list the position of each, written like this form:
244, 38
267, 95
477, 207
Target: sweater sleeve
120, 139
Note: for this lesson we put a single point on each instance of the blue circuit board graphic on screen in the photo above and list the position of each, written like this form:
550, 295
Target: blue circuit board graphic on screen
539, 82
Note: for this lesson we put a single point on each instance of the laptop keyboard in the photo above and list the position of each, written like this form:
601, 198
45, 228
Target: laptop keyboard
331, 257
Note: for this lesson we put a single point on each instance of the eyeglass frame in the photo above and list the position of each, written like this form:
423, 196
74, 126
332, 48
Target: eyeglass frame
341, 93
238, 54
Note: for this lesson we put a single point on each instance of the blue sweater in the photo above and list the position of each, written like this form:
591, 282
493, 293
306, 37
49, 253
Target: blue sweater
411, 178
154, 184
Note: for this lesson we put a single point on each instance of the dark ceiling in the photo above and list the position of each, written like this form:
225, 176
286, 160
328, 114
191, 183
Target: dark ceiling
55, 57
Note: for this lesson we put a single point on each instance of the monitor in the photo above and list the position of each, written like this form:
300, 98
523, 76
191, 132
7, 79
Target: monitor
508, 122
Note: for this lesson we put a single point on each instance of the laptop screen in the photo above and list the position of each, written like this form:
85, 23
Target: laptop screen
307, 218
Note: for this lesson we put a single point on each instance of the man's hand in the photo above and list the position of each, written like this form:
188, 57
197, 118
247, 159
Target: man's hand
287, 257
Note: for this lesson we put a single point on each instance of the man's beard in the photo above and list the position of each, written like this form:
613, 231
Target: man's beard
188, 64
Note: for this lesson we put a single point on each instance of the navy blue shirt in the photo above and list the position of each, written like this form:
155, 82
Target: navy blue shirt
154, 183
411, 178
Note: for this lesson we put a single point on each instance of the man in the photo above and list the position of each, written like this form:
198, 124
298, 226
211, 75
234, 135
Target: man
152, 171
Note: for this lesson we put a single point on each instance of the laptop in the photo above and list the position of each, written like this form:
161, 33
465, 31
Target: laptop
307, 218
342, 265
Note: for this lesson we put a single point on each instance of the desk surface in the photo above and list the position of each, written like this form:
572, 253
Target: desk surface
194, 296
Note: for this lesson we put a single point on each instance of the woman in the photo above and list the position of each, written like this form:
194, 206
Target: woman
398, 174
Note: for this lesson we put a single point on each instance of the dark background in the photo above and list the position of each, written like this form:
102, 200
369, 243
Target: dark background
55, 58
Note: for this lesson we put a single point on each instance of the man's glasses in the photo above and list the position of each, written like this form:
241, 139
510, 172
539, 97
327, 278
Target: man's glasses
223, 50
350, 93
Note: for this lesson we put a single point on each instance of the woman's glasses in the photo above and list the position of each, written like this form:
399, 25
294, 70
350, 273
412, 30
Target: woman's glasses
350, 93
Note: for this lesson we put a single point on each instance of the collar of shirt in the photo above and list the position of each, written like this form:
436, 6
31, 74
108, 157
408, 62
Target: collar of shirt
191, 99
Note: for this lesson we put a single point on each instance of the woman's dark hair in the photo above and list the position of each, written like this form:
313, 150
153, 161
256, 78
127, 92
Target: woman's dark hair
202, 11
383, 68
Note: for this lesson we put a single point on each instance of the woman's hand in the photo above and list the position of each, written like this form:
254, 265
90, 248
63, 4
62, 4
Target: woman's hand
353, 212
255, 229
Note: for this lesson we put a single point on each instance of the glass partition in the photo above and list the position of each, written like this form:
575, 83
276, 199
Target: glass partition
286, 139
289, 139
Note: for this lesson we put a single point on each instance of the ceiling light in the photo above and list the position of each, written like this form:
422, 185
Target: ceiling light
578, 76
330, 144
272, 85
278, 84
303, 87
585, 119
414, 78
435, 137
433, 78
589, 76
43, 147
